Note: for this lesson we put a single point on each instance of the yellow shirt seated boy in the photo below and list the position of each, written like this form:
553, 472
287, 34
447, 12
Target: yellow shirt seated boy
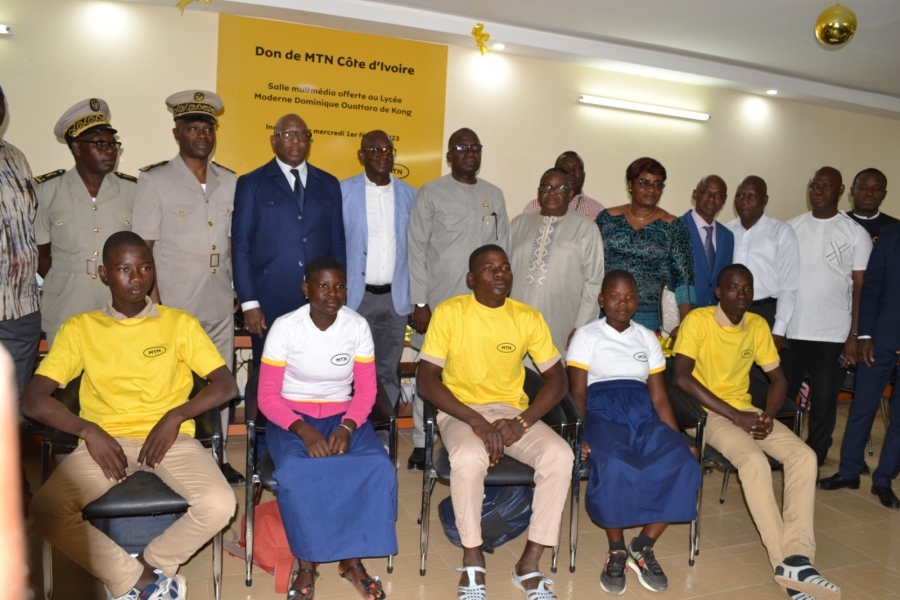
136, 358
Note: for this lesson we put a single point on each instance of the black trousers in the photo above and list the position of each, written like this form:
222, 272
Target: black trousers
819, 359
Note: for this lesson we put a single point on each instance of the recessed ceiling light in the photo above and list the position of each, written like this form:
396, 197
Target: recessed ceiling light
499, 46
772, 92
5, 29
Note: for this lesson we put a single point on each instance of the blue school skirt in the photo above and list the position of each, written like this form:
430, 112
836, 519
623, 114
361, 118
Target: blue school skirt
642, 471
335, 507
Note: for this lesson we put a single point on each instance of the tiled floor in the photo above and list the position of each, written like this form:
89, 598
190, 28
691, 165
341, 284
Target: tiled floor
858, 548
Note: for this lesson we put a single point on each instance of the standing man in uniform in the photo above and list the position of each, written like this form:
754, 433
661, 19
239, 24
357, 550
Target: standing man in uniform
769, 248
834, 251
452, 217
712, 242
376, 221
867, 193
182, 209
77, 211
571, 163
287, 212
20, 300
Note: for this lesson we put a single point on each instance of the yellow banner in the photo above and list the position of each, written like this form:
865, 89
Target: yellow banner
342, 84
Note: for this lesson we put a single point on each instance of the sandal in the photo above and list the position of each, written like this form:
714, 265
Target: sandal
473, 591
370, 586
541, 592
306, 592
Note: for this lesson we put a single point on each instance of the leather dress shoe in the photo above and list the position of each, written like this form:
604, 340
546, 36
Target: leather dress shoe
416, 460
887, 496
836, 482
233, 478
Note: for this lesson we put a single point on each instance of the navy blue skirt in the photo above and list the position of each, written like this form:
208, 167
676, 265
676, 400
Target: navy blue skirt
335, 507
642, 471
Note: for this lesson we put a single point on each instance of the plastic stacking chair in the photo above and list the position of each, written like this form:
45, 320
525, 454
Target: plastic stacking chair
507, 472
261, 470
687, 416
140, 508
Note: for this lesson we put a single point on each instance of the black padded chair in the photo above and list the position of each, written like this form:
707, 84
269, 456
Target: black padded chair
261, 470
687, 416
790, 415
140, 508
507, 472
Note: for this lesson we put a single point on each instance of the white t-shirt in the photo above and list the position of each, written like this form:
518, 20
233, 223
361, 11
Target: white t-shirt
318, 364
607, 354
830, 250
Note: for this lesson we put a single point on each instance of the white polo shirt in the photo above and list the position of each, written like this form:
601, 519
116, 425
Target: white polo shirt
318, 364
607, 354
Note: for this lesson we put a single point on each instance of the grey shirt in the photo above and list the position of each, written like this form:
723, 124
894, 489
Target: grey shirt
558, 268
449, 221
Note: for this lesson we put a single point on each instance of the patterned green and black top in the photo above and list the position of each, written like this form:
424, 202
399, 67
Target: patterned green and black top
659, 253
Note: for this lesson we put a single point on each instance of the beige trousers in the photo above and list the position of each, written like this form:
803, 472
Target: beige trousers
789, 531
187, 468
541, 448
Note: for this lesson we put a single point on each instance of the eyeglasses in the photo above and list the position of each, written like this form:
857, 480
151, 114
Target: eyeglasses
646, 184
288, 134
383, 151
466, 147
101, 145
547, 188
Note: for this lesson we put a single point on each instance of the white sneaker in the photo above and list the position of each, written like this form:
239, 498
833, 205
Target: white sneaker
165, 588
806, 579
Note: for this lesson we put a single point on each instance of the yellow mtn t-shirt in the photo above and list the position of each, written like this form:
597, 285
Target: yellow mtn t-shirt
481, 349
724, 353
135, 370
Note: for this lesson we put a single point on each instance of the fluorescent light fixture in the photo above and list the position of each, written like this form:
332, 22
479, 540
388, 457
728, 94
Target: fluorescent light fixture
772, 92
5, 29
647, 108
499, 46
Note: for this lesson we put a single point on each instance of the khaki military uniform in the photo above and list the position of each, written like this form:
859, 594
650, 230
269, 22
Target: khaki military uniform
76, 229
191, 229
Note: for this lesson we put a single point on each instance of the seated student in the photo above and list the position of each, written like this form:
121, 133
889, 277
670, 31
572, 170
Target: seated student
716, 348
336, 486
135, 415
642, 471
477, 343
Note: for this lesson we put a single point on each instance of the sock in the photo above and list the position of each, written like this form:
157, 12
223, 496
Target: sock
620, 545
796, 561
641, 542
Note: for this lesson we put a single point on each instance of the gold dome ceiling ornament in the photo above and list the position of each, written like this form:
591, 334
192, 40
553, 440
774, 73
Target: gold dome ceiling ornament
481, 37
835, 27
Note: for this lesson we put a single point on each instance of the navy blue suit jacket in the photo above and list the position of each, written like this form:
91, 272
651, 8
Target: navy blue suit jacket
704, 280
271, 242
879, 302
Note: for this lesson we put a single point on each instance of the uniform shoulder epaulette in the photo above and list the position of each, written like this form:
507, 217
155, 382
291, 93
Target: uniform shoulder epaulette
153, 166
49, 176
125, 176
220, 166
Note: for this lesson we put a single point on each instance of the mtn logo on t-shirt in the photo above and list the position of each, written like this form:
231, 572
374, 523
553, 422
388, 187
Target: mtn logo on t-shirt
506, 348
641, 356
340, 359
746, 354
154, 351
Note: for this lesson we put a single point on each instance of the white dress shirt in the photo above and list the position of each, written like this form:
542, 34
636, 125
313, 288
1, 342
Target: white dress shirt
771, 251
286, 169
381, 252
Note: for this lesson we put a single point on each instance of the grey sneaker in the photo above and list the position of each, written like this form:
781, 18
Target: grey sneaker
612, 579
648, 571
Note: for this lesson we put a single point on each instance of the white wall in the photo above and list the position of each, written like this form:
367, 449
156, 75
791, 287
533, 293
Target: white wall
525, 110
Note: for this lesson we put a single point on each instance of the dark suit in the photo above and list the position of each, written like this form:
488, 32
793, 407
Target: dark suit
271, 242
879, 317
705, 280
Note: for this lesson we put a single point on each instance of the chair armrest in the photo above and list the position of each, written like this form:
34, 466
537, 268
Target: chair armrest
688, 412
68, 396
382, 411
556, 417
251, 389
